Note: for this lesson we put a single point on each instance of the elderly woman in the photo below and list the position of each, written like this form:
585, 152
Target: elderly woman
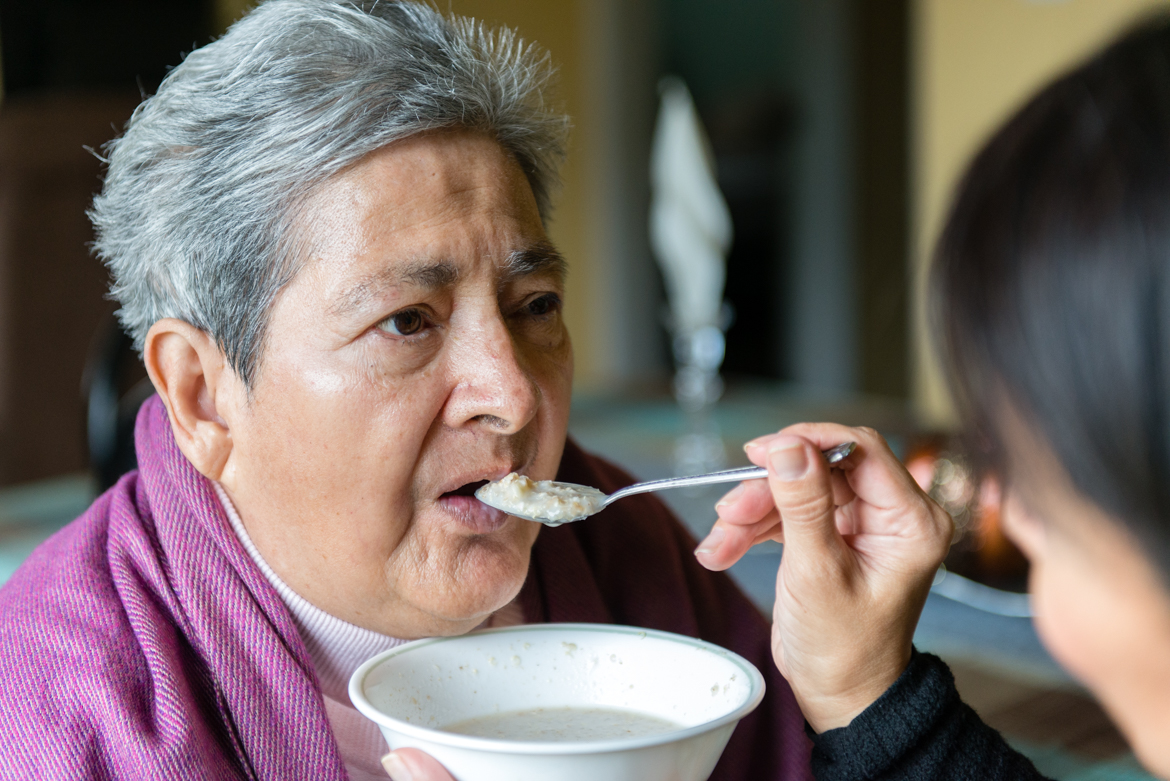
327, 236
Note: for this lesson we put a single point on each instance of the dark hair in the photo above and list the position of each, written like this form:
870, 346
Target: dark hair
1052, 281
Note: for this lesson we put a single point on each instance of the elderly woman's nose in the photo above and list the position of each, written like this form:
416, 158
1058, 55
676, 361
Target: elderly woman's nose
493, 385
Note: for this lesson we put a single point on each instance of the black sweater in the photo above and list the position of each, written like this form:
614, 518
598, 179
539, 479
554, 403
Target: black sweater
919, 730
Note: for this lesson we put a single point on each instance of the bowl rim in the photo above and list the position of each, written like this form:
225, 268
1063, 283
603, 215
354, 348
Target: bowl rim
358, 698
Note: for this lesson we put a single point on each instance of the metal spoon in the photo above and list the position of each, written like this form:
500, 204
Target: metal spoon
597, 501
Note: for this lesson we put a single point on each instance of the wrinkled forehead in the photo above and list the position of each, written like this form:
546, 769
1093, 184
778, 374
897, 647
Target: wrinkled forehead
428, 211
416, 183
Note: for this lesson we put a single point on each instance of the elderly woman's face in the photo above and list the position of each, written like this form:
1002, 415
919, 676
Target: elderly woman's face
420, 351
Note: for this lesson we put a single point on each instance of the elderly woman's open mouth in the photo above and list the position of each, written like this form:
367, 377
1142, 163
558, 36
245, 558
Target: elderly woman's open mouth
461, 503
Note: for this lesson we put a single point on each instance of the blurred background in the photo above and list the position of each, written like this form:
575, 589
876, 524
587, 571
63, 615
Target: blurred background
837, 130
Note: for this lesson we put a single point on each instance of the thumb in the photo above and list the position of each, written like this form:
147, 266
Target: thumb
410, 764
802, 489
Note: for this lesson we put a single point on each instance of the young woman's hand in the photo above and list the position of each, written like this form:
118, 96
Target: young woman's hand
861, 545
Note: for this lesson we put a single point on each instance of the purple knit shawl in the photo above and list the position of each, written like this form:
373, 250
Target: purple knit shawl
141, 641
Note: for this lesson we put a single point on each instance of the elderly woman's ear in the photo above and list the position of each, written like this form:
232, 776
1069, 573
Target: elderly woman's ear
198, 387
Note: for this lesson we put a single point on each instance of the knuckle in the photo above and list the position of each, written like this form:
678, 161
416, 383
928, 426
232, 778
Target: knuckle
806, 505
943, 526
946, 525
870, 436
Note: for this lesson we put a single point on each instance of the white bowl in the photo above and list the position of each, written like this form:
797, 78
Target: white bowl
413, 690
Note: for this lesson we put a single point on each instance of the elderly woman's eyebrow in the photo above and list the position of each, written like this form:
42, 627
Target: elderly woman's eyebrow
540, 257
427, 274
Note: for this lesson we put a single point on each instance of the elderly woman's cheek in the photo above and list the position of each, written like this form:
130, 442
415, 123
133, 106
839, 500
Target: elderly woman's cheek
550, 351
459, 578
385, 365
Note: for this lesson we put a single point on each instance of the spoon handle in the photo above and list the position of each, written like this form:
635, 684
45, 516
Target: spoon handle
833, 455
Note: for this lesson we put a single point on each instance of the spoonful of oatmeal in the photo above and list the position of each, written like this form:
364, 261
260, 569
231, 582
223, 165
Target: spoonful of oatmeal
553, 503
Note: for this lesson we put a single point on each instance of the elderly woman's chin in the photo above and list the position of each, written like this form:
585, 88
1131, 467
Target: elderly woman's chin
458, 582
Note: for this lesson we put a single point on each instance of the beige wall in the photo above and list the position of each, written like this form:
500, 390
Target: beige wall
228, 11
975, 62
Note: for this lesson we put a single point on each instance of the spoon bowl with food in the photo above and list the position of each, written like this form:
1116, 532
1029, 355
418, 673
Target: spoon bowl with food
553, 503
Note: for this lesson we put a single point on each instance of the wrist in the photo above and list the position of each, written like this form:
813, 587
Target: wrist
838, 707
826, 713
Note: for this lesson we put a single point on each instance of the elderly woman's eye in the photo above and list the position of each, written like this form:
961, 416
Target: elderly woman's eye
405, 323
547, 303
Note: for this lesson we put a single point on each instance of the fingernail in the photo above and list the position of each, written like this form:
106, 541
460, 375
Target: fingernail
710, 544
731, 496
757, 442
396, 768
786, 458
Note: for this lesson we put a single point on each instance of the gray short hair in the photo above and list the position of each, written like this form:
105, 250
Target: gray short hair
194, 218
